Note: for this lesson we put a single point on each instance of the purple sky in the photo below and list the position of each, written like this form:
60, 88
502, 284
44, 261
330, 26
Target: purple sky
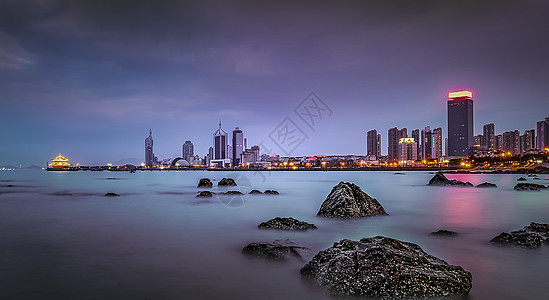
89, 78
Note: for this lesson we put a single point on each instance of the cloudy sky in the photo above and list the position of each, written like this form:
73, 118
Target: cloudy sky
89, 78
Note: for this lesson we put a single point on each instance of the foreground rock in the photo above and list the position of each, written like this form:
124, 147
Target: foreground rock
486, 185
204, 194
444, 232
524, 186
205, 182
111, 195
271, 192
277, 250
255, 192
286, 224
382, 267
440, 180
233, 193
226, 182
530, 236
347, 200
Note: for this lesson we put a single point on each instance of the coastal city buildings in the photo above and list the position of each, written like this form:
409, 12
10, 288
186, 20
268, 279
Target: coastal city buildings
460, 123
149, 154
373, 144
238, 146
488, 131
407, 150
393, 137
187, 151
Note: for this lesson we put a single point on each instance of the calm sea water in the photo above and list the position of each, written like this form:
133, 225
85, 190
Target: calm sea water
60, 238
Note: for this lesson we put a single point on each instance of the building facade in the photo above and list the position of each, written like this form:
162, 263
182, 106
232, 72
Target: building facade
220, 144
488, 131
238, 146
511, 142
187, 151
149, 154
393, 137
373, 143
407, 150
460, 123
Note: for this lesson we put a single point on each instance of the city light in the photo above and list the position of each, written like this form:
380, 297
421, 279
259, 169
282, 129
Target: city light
460, 95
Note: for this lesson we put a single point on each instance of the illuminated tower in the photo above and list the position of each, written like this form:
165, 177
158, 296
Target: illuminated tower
238, 146
460, 123
489, 137
149, 155
220, 143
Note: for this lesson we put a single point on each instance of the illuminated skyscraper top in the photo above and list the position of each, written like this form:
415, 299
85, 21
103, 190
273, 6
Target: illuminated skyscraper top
460, 123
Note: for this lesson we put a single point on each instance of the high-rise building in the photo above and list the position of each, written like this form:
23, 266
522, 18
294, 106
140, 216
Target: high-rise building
511, 142
460, 123
220, 144
488, 131
238, 146
393, 137
187, 151
415, 136
407, 149
373, 143
436, 137
499, 142
426, 143
529, 140
250, 155
477, 140
542, 138
149, 154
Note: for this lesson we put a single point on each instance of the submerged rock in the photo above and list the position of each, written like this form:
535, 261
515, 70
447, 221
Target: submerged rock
204, 194
440, 180
271, 192
226, 182
255, 192
524, 186
444, 232
205, 182
382, 267
233, 193
277, 250
347, 200
286, 224
486, 185
530, 236
522, 179
111, 195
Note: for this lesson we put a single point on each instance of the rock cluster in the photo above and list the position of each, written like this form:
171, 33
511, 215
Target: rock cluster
525, 186
233, 193
271, 192
286, 224
204, 182
226, 182
486, 185
277, 250
530, 236
444, 232
382, 267
440, 180
347, 200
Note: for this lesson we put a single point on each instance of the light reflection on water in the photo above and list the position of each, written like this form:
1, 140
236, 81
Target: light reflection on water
60, 238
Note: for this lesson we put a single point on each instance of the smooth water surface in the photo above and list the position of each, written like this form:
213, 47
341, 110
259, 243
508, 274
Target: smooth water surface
61, 238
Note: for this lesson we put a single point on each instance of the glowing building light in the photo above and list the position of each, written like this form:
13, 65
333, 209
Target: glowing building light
60, 162
460, 94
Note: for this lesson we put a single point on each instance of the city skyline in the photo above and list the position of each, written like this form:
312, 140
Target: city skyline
86, 81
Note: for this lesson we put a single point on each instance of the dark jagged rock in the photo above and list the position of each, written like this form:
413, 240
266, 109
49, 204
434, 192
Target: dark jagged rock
539, 228
524, 186
382, 267
205, 182
486, 185
226, 182
347, 200
522, 179
111, 195
255, 192
271, 192
399, 173
286, 224
444, 232
277, 250
233, 193
518, 238
440, 180
204, 194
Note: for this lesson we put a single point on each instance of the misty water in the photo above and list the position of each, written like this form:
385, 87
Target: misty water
61, 238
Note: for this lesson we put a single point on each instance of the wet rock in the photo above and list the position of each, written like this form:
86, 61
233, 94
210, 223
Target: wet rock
233, 193
524, 186
277, 250
226, 182
518, 238
255, 192
205, 182
539, 228
347, 200
286, 224
204, 194
382, 267
486, 185
111, 195
271, 192
444, 232
399, 173
522, 179
440, 180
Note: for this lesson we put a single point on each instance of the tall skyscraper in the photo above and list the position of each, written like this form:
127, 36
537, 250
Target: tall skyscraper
478, 140
149, 154
460, 123
238, 146
407, 149
488, 131
542, 138
426, 143
436, 138
511, 142
393, 137
187, 151
415, 136
498, 145
529, 140
373, 143
220, 143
